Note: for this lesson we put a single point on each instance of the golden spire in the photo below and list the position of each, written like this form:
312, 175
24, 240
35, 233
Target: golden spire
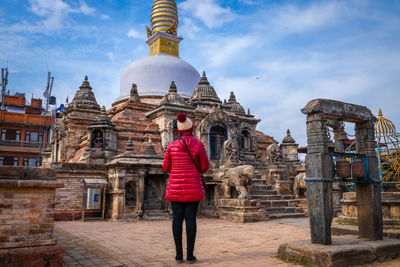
384, 127
162, 37
164, 16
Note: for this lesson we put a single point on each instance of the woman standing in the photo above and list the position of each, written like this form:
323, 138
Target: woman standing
184, 159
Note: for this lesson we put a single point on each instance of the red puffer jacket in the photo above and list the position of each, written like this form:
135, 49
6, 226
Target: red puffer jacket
185, 183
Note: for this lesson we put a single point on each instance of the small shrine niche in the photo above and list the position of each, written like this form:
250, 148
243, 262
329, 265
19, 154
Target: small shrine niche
97, 139
130, 194
244, 141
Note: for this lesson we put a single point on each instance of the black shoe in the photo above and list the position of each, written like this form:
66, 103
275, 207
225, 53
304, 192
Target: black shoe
179, 257
190, 258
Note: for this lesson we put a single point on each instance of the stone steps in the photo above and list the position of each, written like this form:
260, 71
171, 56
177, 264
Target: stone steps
279, 203
156, 215
274, 210
261, 187
276, 206
286, 215
262, 196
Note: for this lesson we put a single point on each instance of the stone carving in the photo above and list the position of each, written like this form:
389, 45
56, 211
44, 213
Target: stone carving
134, 95
274, 155
237, 177
230, 152
300, 184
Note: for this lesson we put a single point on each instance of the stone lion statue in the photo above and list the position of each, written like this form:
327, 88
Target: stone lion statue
300, 185
237, 177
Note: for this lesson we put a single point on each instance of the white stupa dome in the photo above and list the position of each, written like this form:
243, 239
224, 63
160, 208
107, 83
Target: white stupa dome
154, 74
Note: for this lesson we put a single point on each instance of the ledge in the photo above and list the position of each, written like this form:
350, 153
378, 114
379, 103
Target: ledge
8, 183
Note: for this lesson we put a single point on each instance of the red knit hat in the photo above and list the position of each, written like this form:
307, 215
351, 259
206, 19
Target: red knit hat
184, 123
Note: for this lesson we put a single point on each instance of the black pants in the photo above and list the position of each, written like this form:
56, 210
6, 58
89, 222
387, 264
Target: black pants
187, 211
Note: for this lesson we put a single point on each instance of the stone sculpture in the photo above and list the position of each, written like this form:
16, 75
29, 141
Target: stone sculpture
237, 177
230, 152
300, 184
274, 155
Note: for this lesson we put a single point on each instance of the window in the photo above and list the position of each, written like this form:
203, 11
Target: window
10, 134
217, 137
34, 136
32, 162
10, 161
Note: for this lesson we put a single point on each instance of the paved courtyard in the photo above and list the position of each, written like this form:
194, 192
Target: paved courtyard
146, 243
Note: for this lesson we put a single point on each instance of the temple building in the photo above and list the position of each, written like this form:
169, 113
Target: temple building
125, 144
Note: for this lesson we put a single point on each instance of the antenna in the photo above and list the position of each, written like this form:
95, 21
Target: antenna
4, 82
50, 100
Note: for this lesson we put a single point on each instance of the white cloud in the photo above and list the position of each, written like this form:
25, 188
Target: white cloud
222, 52
54, 14
132, 33
188, 28
104, 16
294, 19
208, 11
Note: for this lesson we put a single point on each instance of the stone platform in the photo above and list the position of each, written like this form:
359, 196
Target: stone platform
240, 210
344, 251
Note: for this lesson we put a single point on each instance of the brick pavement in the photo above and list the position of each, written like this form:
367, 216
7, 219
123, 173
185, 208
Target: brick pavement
149, 243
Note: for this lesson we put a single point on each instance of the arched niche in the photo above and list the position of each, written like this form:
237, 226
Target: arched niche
216, 118
217, 136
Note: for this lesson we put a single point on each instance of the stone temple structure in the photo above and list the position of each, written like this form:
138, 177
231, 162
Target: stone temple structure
125, 144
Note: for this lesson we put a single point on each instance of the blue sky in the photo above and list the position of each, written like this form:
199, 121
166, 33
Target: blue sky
275, 55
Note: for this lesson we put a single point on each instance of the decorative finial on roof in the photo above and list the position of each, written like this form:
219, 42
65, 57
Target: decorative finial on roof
134, 95
248, 111
204, 80
85, 84
172, 88
232, 97
129, 146
103, 110
380, 113
150, 148
225, 102
288, 139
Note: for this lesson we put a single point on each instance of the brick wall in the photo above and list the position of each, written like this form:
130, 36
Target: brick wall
69, 199
27, 201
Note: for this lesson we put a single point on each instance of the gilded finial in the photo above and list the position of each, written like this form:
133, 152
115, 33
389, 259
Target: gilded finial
380, 113
103, 110
164, 17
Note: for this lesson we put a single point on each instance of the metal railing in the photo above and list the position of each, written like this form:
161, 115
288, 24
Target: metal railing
15, 143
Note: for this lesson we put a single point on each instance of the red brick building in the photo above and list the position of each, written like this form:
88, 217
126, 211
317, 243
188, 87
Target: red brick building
24, 131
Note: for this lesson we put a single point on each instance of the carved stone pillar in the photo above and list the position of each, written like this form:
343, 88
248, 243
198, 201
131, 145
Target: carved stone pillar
369, 205
319, 180
140, 195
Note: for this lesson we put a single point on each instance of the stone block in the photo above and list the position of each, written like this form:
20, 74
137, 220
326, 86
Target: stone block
240, 210
344, 251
